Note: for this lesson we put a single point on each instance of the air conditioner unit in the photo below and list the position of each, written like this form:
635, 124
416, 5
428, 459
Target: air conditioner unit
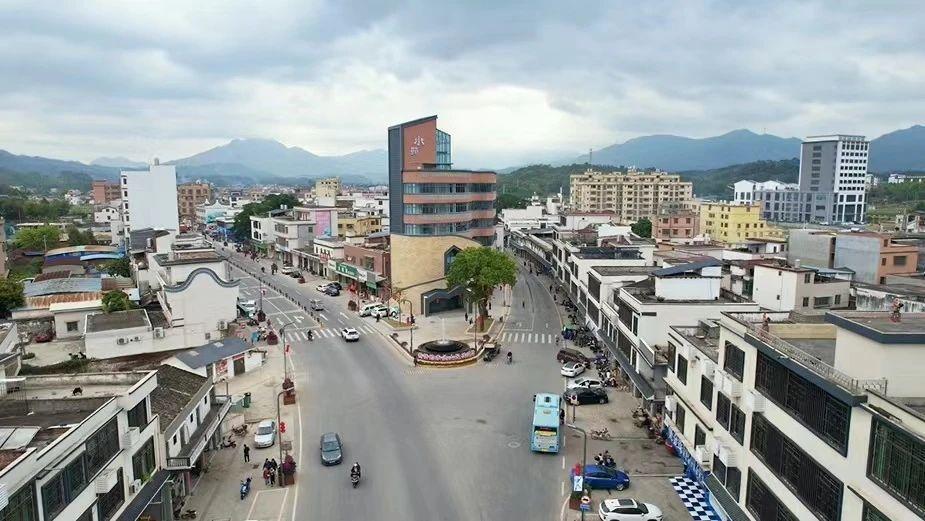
755, 401
105, 481
158, 332
704, 455
732, 387
670, 403
727, 455
222, 324
120, 341
134, 487
130, 436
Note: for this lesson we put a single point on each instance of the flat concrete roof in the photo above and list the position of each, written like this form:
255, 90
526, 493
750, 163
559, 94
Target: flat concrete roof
877, 325
117, 320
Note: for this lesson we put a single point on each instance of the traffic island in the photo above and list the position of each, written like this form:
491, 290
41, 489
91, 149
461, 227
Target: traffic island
445, 353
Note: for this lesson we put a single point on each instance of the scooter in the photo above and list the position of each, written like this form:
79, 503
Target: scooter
189, 514
240, 430
601, 434
228, 442
245, 487
355, 479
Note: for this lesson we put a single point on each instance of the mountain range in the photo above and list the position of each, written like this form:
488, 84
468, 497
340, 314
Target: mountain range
267, 161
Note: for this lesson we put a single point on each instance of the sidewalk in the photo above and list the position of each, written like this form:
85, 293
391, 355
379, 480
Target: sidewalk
216, 495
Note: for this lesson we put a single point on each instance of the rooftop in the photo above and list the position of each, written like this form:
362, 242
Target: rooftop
117, 320
705, 337
68, 285
644, 291
615, 271
682, 269
608, 252
188, 257
46, 301
175, 388
878, 326
204, 355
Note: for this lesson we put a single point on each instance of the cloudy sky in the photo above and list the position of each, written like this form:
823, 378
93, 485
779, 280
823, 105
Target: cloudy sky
511, 81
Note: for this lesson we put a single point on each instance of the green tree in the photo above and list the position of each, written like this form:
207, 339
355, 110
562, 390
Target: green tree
480, 271
11, 296
118, 267
509, 201
242, 221
76, 237
642, 227
37, 239
116, 300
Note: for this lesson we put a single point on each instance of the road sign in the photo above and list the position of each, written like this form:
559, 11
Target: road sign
578, 483
585, 507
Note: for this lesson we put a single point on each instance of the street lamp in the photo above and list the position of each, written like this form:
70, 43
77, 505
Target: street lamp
280, 441
584, 455
282, 338
411, 329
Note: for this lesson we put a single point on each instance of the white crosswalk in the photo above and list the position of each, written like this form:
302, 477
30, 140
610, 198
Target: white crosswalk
302, 336
520, 337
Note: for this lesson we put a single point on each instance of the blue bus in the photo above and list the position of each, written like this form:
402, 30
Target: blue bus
545, 436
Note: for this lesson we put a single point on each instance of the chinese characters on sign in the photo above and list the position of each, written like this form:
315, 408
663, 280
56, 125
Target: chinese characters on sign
416, 146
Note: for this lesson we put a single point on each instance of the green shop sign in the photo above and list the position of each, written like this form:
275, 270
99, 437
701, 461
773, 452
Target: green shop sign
347, 270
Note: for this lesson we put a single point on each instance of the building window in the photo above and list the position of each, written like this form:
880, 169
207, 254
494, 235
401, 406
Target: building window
897, 463
734, 361
819, 490
837, 299
706, 392
737, 423
108, 503
700, 437
71, 326
143, 464
899, 260
819, 411
101, 447
883, 261
682, 369
671, 354
872, 514
806, 278
138, 415
722, 410
679, 417
21, 505
805, 302
762, 503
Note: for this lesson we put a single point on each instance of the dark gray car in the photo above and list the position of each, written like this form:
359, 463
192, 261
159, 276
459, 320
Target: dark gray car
332, 451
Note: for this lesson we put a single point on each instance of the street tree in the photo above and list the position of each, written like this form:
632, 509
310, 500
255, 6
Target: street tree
116, 300
11, 296
75, 237
480, 271
642, 228
41, 238
242, 221
118, 267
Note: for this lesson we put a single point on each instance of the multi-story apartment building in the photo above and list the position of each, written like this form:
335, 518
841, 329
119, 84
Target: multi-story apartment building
149, 198
631, 195
435, 212
874, 255
785, 202
680, 226
105, 192
783, 417
779, 286
79, 456
837, 164
327, 188
191, 195
735, 223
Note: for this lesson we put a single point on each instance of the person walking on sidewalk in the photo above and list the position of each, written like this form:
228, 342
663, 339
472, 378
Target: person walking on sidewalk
247, 453
266, 476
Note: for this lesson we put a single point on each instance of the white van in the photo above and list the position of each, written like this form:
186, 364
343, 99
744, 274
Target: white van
371, 309
316, 305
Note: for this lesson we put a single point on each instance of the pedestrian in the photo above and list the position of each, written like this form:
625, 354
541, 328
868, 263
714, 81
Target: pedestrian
266, 476
247, 454
561, 416
467, 316
523, 303
272, 478
273, 465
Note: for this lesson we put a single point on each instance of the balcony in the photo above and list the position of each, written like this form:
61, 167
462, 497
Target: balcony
197, 442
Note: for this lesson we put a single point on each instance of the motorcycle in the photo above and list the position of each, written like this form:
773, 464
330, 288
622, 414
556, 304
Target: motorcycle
601, 434
355, 479
245, 487
228, 441
240, 430
189, 514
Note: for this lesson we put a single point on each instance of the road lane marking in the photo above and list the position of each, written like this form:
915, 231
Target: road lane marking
323, 317
343, 315
562, 488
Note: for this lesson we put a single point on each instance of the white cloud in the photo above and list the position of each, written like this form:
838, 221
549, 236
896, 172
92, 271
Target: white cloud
512, 81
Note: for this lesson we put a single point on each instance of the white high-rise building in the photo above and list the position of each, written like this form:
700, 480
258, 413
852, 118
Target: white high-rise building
837, 164
149, 198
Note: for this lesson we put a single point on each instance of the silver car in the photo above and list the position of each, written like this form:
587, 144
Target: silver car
265, 436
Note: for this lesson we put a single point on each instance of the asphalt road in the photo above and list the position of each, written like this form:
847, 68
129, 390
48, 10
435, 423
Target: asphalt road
447, 444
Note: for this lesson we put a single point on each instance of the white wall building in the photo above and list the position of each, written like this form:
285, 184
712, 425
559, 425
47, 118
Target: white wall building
744, 190
781, 287
149, 198
106, 214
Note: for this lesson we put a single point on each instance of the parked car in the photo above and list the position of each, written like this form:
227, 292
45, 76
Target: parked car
368, 309
44, 336
582, 396
571, 355
265, 435
323, 287
605, 478
336, 285
286, 270
624, 509
584, 381
380, 311
316, 305
248, 307
572, 369
332, 451
350, 334
332, 291
295, 274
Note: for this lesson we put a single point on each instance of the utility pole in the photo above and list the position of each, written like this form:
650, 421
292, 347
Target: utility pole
584, 455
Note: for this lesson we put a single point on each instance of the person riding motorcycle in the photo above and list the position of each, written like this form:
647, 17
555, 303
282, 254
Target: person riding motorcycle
510, 357
355, 469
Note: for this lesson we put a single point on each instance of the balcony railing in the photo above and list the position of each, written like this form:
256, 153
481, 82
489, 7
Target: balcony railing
856, 386
197, 442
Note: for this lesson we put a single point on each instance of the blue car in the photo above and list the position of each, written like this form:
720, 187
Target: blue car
605, 478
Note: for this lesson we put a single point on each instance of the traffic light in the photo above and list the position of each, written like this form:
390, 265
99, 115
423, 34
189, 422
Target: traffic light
282, 427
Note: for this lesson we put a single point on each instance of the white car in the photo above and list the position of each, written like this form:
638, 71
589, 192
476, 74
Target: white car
247, 307
572, 369
620, 509
322, 287
585, 382
286, 270
350, 334
265, 436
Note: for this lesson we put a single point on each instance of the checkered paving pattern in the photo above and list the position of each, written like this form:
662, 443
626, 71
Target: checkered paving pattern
692, 497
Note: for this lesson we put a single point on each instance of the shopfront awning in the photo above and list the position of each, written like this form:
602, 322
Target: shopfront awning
150, 491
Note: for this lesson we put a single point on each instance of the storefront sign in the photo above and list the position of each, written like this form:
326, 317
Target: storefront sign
332, 265
346, 269
692, 468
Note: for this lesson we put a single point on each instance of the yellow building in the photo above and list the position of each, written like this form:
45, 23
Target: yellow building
353, 226
419, 268
735, 223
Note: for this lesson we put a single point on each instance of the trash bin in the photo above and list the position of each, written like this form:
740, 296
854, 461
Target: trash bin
247, 400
